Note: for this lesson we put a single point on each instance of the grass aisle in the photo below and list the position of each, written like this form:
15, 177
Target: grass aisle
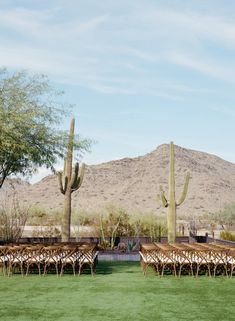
119, 291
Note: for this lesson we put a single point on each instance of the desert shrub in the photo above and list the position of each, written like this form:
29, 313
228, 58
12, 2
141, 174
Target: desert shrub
114, 222
13, 217
226, 216
148, 224
108, 224
45, 222
227, 235
83, 224
46, 231
38, 216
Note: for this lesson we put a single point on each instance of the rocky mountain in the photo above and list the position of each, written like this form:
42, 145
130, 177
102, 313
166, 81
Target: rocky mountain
133, 184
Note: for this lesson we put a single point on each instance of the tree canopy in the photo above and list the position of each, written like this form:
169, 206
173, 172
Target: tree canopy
30, 114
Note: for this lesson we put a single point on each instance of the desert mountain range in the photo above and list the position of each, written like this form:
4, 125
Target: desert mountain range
133, 184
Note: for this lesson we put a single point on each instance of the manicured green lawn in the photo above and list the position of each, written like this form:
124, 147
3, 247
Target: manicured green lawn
119, 291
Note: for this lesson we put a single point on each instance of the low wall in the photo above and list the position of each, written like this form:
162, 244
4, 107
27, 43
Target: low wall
121, 239
219, 241
103, 256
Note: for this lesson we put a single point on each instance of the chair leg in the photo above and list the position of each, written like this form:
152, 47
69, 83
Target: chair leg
160, 270
56, 268
10, 269
155, 268
80, 269
215, 267
62, 269
191, 269
21, 269
226, 270
92, 270
74, 271
4, 268
232, 268
27, 270
209, 270
144, 269
179, 274
39, 269
45, 269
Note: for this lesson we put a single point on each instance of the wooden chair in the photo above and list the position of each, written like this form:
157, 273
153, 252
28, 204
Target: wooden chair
183, 258
69, 256
149, 257
201, 258
231, 260
4, 257
51, 257
16, 258
34, 258
88, 255
167, 258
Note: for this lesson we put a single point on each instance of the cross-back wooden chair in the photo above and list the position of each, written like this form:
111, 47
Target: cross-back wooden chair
201, 257
16, 258
231, 260
88, 255
167, 258
34, 258
51, 257
4, 257
149, 257
70, 257
219, 258
183, 258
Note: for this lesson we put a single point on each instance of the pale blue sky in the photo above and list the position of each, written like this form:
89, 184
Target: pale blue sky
141, 72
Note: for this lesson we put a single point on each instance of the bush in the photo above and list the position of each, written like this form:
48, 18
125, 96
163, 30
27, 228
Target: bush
226, 235
13, 217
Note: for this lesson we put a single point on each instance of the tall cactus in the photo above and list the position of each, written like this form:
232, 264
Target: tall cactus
171, 204
69, 181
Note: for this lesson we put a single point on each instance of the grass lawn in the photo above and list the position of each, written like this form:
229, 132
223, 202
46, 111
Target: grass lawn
119, 291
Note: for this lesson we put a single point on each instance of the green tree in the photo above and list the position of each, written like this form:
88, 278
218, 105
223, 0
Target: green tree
30, 114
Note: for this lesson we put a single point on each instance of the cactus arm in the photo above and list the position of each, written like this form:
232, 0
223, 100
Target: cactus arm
80, 175
65, 183
76, 185
184, 191
162, 199
60, 182
75, 176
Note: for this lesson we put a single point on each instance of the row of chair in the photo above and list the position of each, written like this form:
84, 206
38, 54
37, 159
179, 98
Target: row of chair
193, 258
46, 258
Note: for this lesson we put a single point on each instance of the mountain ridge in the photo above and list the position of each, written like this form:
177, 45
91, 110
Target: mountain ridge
133, 184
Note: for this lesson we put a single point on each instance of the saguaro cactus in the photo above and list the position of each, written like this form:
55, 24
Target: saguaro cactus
171, 204
70, 180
